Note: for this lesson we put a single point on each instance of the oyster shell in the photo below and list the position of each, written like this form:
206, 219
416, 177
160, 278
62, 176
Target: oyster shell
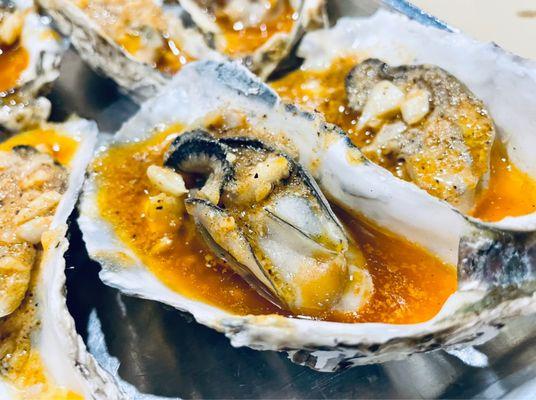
139, 44
31, 55
205, 89
41, 353
140, 50
243, 29
447, 149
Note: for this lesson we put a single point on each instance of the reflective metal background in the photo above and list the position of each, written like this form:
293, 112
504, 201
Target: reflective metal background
163, 352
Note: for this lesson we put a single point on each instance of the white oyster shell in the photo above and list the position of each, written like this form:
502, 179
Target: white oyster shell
205, 88
103, 54
45, 50
63, 353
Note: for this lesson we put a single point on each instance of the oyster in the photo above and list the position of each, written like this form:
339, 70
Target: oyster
30, 57
423, 116
495, 265
139, 44
261, 33
443, 137
260, 211
41, 172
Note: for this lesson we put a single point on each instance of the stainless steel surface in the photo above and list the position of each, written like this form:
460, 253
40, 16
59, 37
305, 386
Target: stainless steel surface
163, 352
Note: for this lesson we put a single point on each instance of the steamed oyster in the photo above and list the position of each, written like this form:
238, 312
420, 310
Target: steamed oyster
41, 355
260, 32
137, 43
408, 111
263, 214
30, 54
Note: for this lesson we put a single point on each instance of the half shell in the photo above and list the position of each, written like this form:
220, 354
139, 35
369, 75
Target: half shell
133, 70
51, 359
484, 301
35, 49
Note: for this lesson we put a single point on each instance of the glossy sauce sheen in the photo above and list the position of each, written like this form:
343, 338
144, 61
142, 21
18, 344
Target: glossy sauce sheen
241, 41
511, 192
61, 147
411, 285
13, 60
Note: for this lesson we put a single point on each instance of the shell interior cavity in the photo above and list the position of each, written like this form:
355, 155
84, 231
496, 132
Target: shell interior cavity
495, 265
41, 173
31, 55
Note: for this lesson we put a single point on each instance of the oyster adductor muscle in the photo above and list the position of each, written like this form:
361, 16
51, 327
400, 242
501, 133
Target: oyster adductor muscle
262, 212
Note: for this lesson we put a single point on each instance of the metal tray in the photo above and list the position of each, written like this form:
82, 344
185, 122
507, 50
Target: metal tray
156, 350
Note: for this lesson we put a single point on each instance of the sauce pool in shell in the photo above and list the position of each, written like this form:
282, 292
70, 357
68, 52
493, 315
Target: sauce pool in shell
410, 284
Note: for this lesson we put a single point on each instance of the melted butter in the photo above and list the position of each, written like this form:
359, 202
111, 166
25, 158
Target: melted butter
410, 284
61, 147
245, 40
13, 61
510, 192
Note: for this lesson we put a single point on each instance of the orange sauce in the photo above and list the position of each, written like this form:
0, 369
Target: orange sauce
32, 375
13, 60
511, 192
410, 284
324, 91
171, 58
243, 40
61, 147
121, 20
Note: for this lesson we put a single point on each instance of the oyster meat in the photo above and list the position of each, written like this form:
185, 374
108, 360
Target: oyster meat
41, 172
29, 62
442, 136
262, 213
425, 117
